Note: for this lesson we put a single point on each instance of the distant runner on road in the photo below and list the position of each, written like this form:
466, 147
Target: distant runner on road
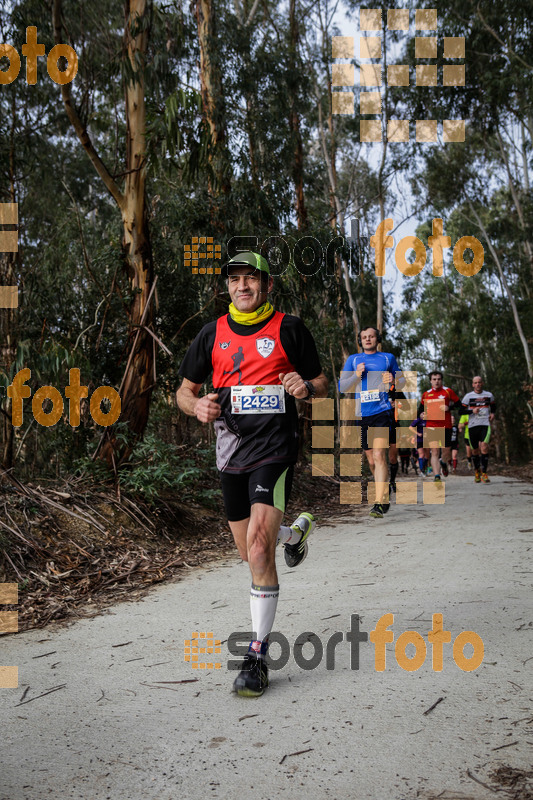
262, 360
369, 374
454, 450
454, 446
437, 402
480, 406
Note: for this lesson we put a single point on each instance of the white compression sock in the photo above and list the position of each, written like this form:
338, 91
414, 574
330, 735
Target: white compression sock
286, 535
263, 604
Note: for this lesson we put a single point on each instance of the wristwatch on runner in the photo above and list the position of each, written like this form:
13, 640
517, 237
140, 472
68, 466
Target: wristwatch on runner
311, 391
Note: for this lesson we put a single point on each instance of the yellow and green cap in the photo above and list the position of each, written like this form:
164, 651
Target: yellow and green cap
247, 259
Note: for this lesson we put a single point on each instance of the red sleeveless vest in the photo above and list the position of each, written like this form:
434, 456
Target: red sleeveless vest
249, 360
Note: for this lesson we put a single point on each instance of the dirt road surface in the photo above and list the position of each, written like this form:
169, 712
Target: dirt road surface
108, 707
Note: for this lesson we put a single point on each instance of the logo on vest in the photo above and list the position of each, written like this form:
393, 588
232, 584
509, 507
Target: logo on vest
224, 345
265, 346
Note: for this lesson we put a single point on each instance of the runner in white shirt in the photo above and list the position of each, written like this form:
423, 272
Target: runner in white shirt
480, 406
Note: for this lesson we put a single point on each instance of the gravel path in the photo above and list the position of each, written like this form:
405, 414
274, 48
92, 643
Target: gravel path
133, 721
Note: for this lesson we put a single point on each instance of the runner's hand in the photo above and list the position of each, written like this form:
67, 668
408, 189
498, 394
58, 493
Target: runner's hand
491, 417
206, 409
360, 370
294, 385
387, 377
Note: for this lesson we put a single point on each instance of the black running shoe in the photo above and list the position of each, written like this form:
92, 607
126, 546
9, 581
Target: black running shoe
252, 680
444, 467
385, 507
392, 487
377, 511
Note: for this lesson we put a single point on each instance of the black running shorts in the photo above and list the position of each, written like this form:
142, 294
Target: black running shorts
270, 484
385, 419
479, 433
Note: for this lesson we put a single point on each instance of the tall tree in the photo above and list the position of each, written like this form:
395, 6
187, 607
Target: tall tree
214, 106
294, 117
138, 379
9, 273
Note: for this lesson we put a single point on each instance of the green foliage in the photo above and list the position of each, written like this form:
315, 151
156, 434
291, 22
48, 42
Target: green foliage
468, 326
74, 290
156, 468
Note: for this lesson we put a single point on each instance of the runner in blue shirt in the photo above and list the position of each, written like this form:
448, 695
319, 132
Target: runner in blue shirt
369, 374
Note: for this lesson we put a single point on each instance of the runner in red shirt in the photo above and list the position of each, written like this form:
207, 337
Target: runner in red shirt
437, 402
261, 362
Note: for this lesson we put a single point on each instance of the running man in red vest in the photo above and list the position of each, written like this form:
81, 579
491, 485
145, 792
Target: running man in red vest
437, 402
254, 411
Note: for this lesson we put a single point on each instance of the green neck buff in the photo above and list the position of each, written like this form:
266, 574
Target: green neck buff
252, 318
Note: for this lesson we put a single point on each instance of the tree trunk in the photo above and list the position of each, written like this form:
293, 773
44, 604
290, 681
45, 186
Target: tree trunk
252, 148
337, 222
342, 269
213, 95
9, 316
379, 308
254, 145
333, 152
515, 194
381, 188
8, 352
138, 380
514, 309
294, 122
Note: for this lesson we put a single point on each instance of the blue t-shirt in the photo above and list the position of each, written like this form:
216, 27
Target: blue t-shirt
371, 392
